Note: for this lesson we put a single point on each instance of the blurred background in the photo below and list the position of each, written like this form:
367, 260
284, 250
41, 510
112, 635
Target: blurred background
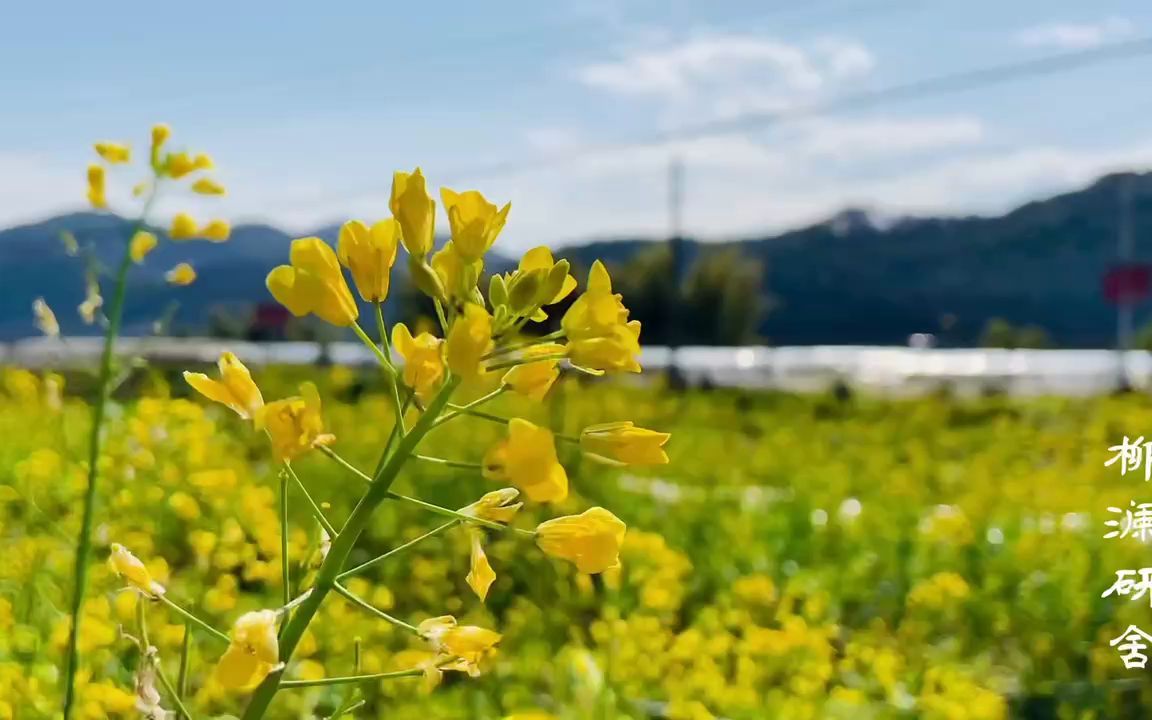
892, 262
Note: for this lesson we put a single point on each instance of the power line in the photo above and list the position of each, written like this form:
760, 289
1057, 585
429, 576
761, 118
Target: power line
939, 85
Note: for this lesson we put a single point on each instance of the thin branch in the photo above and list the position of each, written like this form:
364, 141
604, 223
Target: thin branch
415, 672
458, 410
448, 463
316, 511
355, 600
398, 549
462, 517
194, 620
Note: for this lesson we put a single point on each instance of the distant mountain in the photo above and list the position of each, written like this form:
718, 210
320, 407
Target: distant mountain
854, 278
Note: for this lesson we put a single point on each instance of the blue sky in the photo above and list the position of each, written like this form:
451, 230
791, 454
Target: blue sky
308, 108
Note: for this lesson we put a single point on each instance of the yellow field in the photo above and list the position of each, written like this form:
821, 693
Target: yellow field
798, 558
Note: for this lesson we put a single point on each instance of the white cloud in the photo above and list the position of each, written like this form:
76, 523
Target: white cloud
725, 74
1076, 36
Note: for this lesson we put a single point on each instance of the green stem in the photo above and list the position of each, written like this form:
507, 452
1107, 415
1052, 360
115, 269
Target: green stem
172, 694
382, 328
462, 517
397, 550
147, 656
375, 348
344, 463
449, 463
316, 511
356, 600
284, 572
558, 335
185, 663
416, 672
504, 421
354, 706
342, 546
95, 444
524, 361
194, 620
458, 410
441, 317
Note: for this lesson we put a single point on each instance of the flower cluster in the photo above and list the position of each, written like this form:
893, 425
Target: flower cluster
482, 341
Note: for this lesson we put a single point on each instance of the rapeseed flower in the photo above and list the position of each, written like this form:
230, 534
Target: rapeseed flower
97, 189
131, 568
208, 186
369, 253
475, 222
253, 652
183, 227
468, 341
235, 389
182, 274
469, 645
113, 153
294, 424
423, 360
313, 284
495, 506
142, 243
590, 540
622, 443
216, 231
45, 318
527, 459
538, 281
415, 211
600, 337
534, 378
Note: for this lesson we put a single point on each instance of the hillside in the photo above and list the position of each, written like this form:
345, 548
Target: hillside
844, 281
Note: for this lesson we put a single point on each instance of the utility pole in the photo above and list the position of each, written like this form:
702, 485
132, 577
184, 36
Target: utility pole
1125, 245
676, 252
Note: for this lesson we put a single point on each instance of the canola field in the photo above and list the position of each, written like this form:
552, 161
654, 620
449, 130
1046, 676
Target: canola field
799, 557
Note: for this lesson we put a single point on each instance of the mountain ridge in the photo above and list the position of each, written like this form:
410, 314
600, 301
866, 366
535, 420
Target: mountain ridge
853, 278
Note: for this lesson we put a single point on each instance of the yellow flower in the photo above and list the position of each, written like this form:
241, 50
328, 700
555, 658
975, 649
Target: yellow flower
143, 242
96, 187
541, 281
415, 210
533, 379
183, 227
178, 165
313, 283
182, 274
496, 506
475, 222
369, 254
131, 568
93, 301
457, 275
599, 335
480, 574
114, 153
590, 540
217, 231
467, 643
160, 135
527, 459
423, 363
208, 186
45, 318
235, 388
253, 653
622, 443
294, 424
468, 340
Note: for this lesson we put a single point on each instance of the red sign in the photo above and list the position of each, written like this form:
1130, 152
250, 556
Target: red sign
1128, 284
